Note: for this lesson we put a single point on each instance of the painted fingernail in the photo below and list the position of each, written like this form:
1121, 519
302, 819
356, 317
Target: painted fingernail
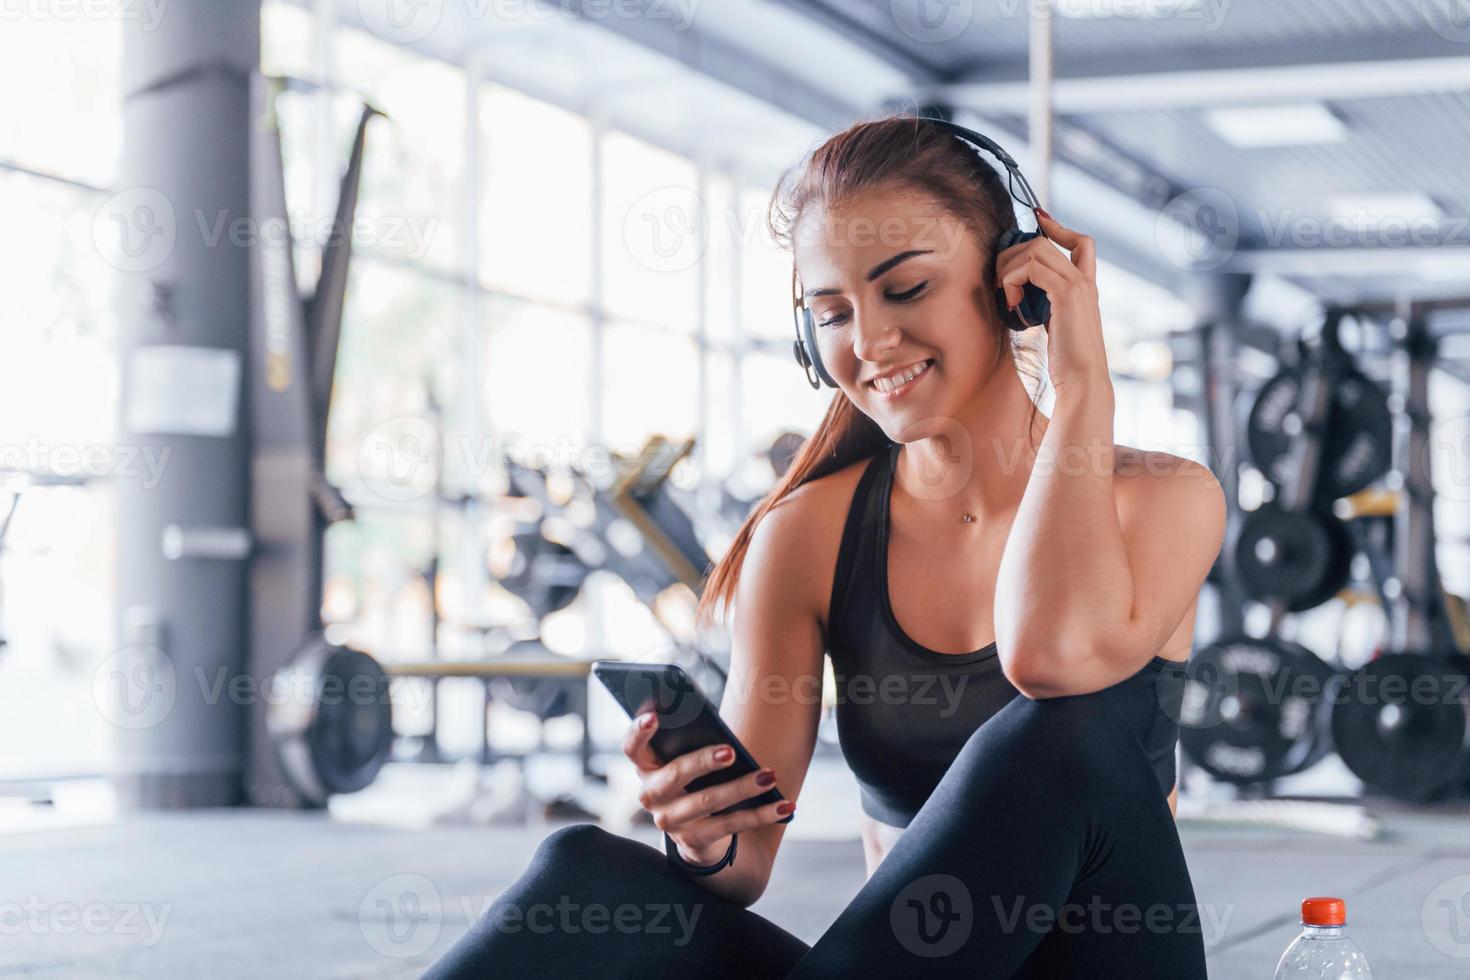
724, 754
784, 809
645, 721
766, 778
1043, 211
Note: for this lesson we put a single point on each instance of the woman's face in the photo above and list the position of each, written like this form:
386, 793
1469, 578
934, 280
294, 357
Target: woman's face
895, 286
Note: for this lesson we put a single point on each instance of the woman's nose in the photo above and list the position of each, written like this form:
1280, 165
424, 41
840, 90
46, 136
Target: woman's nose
874, 334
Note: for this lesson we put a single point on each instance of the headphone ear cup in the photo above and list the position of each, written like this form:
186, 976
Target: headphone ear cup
1034, 308
810, 351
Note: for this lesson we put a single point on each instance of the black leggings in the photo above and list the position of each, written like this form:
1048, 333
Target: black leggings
1047, 850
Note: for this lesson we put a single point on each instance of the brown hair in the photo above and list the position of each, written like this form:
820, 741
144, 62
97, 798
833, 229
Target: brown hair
893, 151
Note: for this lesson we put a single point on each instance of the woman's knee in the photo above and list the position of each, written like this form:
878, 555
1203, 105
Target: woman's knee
583, 846
1082, 737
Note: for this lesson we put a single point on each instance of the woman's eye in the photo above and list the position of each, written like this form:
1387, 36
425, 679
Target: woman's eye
903, 297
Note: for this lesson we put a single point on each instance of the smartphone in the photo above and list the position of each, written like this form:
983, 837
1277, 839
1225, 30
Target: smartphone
687, 720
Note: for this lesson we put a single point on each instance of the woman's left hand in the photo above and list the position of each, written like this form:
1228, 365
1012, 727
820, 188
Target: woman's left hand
1074, 340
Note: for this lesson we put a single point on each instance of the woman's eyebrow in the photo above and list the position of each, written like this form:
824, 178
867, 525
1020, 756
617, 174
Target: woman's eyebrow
873, 273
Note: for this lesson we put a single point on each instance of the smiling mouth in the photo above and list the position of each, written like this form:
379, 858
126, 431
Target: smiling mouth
890, 386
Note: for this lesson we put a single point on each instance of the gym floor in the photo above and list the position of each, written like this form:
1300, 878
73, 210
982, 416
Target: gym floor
224, 893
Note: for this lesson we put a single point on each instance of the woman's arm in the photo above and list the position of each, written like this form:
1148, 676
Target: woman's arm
773, 698
1089, 591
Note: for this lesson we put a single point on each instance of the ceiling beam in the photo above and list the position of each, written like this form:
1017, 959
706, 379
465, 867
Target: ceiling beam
1172, 78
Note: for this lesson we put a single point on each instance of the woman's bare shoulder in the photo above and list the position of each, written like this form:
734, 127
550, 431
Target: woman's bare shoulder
808, 522
1148, 480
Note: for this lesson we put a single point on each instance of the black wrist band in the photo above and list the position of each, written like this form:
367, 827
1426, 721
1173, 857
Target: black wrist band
672, 851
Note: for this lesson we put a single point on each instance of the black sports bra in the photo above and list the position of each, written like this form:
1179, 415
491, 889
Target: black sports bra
900, 745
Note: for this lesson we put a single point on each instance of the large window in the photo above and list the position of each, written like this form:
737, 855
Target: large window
60, 140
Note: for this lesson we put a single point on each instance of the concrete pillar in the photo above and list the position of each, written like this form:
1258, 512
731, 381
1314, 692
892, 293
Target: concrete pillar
180, 724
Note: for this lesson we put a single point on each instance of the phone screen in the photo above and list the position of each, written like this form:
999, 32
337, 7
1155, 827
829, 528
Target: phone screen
687, 720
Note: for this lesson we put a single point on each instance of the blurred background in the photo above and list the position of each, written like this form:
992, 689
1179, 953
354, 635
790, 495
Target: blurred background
243, 465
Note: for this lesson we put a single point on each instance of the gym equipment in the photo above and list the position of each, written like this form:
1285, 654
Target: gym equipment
1401, 725
523, 679
334, 729
1292, 553
637, 531
1357, 439
1034, 310
1256, 710
543, 574
320, 748
1298, 558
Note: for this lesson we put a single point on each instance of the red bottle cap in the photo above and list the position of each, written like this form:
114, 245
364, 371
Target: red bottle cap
1324, 912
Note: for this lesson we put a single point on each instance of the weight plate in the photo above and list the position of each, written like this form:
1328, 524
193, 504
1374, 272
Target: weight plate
333, 723
1359, 432
1300, 558
1253, 710
1402, 725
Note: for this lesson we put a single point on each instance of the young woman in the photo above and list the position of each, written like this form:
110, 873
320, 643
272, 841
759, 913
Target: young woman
1008, 601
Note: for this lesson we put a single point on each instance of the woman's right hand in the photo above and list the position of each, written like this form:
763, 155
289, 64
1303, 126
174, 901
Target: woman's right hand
702, 839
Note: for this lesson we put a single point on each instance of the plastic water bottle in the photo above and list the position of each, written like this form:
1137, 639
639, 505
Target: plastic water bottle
1323, 951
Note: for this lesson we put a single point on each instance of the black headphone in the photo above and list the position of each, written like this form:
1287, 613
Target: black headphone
1033, 310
